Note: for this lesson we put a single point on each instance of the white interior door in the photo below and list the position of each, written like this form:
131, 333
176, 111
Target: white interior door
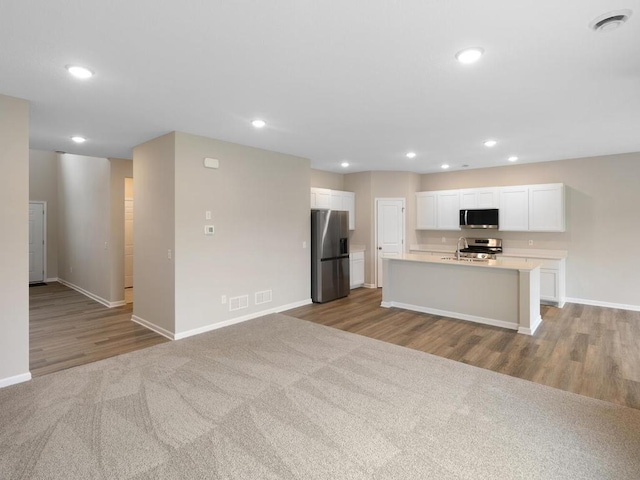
389, 231
36, 242
128, 243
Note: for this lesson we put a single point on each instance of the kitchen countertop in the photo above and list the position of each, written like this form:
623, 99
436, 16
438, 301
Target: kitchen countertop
507, 252
497, 264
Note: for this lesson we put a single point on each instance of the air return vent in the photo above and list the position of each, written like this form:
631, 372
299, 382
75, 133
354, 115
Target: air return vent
238, 303
610, 21
263, 297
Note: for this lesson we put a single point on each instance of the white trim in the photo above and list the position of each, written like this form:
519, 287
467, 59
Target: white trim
444, 313
598, 303
370, 285
375, 232
215, 326
92, 296
51, 279
44, 236
531, 330
152, 326
24, 377
244, 318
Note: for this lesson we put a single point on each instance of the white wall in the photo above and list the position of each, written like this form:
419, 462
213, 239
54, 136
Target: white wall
260, 209
14, 255
84, 223
603, 195
43, 187
154, 232
120, 169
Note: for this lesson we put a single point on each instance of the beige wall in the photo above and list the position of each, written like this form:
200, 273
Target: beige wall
260, 209
43, 187
14, 255
154, 232
602, 199
84, 223
322, 179
120, 169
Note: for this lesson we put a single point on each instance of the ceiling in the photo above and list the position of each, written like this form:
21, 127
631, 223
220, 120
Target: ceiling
364, 81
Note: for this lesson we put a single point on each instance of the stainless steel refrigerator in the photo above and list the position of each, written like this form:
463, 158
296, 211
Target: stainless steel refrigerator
329, 255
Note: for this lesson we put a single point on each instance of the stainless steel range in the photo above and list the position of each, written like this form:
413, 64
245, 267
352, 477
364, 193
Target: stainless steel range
480, 248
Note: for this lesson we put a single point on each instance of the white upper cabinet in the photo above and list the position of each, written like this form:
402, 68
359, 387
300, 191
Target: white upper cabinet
323, 198
426, 211
546, 207
448, 207
320, 198
479, 198
438, 210
514, 208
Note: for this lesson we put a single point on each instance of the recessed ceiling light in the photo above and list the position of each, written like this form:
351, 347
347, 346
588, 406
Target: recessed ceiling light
411, 155
469, 55
78, 139
344, 164
444, 166
610, 21
490, 143
258, 123
79, 72
513, 158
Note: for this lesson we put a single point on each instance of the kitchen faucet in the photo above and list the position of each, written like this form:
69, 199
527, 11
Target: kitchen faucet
466, 245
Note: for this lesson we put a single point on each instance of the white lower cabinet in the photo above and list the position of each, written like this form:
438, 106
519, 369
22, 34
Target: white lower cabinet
356, 269
552, 278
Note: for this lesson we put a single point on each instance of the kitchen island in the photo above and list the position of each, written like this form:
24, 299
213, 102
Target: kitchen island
502, 294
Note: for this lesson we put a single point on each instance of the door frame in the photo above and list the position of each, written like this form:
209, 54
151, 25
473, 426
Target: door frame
375, 232
44, 236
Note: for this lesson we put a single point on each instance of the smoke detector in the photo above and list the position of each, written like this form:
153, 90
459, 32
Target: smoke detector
610, 21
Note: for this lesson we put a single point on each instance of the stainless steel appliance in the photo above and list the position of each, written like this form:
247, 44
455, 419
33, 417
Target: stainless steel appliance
329, 255
481, 248
479, 218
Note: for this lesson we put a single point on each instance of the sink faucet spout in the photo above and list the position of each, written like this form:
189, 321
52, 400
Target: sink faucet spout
466, 245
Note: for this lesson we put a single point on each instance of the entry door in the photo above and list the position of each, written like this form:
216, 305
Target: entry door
36, 242
390, 231
128, 243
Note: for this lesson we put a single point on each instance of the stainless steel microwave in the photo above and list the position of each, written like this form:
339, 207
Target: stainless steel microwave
479, 218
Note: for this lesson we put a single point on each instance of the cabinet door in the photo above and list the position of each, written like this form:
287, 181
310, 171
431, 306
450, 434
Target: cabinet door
349, 204
335, 202
549, 285
320, 198
426, 211
468, 198
448, 208
514, 208
546, 208
488, 197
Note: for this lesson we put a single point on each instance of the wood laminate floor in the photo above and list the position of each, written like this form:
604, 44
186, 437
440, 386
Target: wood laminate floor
67, 329
592, 351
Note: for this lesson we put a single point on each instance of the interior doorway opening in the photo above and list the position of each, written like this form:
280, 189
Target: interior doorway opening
128, 240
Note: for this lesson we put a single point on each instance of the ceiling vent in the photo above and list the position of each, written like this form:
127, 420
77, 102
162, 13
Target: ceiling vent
610, 21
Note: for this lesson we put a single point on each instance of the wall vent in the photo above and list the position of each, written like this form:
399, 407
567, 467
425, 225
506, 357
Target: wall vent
263, 297
238, 303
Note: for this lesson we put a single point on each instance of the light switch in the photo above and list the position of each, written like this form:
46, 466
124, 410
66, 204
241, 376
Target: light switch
207, 215
208, 229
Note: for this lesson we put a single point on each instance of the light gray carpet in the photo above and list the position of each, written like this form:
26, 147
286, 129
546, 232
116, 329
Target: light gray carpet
281, 398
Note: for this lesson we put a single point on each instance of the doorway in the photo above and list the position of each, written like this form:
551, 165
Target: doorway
390, 226
37, 241
128, 240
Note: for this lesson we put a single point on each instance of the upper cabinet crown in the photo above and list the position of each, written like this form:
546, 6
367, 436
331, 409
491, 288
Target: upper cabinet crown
325, 199
530, 208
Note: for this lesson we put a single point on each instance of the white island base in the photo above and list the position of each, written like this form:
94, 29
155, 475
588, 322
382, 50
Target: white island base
492, 293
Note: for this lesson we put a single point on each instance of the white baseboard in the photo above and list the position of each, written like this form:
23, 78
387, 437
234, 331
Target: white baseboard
531, 330
92, 296
597, 303
24, 377
153, 326
215, 326
370, 285
244, 318
461, 316
51, 280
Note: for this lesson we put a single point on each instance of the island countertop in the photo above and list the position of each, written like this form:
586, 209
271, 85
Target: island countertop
438, 258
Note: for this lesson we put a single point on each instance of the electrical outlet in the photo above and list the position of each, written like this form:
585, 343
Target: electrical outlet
304, 244
223, 300
531, 243
70, 269
169, 254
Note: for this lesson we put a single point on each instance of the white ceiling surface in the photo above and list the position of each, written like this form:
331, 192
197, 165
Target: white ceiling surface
360, 80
